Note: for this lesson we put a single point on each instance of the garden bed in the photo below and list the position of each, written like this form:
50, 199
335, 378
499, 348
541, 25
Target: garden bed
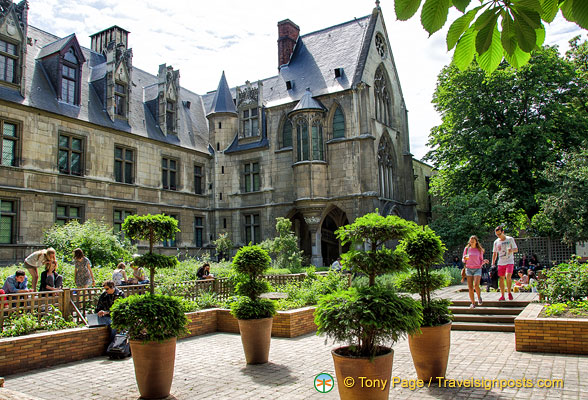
550, 335
39, 350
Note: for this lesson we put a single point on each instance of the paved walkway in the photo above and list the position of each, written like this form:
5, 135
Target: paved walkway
213, 367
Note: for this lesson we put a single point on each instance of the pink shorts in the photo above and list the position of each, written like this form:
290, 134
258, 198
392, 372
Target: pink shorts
504, 269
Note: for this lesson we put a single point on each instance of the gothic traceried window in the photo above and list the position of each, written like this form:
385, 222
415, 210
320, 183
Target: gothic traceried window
302, 140
287, 134
318, 152
309, 140
381, 45
383, 100
338, 124
386, 166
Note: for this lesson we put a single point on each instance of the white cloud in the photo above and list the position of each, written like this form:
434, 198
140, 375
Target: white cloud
203, 38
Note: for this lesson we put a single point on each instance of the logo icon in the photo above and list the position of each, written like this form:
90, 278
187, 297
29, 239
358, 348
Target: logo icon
324, 383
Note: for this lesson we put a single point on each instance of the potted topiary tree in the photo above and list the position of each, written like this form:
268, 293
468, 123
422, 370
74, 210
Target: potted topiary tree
153, 228
368, 318
430, 348
153, 323
254, 314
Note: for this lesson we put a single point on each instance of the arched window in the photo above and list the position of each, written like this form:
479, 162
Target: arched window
338, 124
287, 133
317, 141
386, 164
302, 140
383, 101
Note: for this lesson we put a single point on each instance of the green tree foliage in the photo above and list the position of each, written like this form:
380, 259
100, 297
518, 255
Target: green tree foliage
153, 228
150, 317
566, 209
424, 249
223, 245
95, 238
374, 230
250, 263
492, 30
500, 131
566, 282
284, 247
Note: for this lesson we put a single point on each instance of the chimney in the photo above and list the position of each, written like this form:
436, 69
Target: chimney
102, 39
288, 33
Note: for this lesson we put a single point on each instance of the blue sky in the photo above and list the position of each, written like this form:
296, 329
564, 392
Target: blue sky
203, 38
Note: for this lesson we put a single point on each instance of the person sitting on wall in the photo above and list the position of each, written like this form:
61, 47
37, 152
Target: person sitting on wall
16, 283
336, 266
106, 300
119, 275
50, 279
203, 272
139, 274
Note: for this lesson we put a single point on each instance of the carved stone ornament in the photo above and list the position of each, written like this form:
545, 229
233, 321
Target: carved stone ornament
381, 45
248, 96
385, 155
312, 220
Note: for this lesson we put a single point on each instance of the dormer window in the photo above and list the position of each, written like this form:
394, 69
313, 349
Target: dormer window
170, 116
120, 99
250, 122
70, 78
8, 61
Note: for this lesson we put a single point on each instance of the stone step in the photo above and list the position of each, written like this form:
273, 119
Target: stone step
493, 327
486, 310
485, 318
503, 304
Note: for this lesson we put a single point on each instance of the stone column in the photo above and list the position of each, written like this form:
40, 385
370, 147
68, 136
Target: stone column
314, 227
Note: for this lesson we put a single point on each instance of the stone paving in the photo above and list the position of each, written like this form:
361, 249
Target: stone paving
213, 367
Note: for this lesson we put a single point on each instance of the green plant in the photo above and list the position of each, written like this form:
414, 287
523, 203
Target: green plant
207, 300
54, 321
223, 245
424, 249
153, 228
284, 247
249, 264
18, 324
149, 317
565, 282
367, 317
555, 309
96, 238
453, 274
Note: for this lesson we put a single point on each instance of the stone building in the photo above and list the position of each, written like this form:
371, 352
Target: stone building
85, 135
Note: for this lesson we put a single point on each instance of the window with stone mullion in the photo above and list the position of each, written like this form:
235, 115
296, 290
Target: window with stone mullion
198, 231
317, 141
252, 229
123, 165
302, 142
168, 173
66, 213
120, 96
8, 144
338, 124
251, 175
8, 61
70, 158
250, 122
8, 216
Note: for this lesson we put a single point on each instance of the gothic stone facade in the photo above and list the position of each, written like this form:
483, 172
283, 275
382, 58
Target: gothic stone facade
85, 135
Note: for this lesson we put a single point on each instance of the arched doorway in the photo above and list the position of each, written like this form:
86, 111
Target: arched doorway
301, 231
330, 245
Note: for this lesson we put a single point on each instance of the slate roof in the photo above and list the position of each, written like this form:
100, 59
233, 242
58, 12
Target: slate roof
308, 103
311, 66
39, 93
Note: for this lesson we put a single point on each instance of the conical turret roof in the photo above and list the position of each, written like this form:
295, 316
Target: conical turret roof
308, 103
223, 100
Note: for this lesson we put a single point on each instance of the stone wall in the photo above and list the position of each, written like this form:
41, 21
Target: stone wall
550, 335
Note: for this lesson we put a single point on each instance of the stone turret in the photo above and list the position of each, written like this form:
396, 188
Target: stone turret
222, 117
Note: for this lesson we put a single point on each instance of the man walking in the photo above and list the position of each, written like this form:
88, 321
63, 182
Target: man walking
504, 249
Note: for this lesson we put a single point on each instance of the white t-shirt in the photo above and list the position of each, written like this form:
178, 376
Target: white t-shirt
501, 247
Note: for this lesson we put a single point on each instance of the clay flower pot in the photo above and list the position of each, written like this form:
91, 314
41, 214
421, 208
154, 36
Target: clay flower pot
430, 351
154, 367
359, 378
256, 337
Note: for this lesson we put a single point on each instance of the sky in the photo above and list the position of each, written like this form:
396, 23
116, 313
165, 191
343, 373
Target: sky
204, 38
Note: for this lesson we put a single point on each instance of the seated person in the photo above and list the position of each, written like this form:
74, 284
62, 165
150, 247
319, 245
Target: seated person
50, 279
336, 266
106, 300
204, 272
139, 275
523, 279
16, 283
119, 275
532, 281
457, 263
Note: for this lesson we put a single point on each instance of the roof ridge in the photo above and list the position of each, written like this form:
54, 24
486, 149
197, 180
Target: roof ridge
335, 26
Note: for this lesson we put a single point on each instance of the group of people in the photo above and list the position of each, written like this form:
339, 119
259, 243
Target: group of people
502, 259
51, 280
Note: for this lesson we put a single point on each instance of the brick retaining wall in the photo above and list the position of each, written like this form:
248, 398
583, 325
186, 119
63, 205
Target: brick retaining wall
39, 350
550, 335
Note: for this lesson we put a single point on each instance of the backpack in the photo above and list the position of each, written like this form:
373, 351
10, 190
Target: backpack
119, 348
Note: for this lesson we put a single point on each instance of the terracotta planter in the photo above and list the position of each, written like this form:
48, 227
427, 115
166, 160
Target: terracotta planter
256, 335
374, 373
154, 367
430, 351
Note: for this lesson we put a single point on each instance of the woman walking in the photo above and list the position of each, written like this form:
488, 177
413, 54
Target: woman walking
473, 259
84, 274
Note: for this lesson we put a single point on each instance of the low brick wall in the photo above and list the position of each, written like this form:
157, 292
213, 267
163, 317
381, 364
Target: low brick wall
550, 335
24, 353
39, 350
